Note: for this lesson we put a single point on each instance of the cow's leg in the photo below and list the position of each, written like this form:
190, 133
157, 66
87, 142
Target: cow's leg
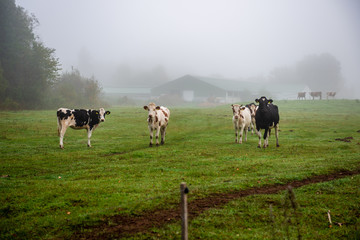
246, 136
258, 132
242, 128
277, 135
59, 127
157, 136
163, 132
266, 144
89, 133
62, 133
266, 137
151, 136
236, 133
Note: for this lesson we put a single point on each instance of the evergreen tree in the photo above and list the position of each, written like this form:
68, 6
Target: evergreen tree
28, 67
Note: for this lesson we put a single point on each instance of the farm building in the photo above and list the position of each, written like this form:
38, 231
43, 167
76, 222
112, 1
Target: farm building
189, 88
201, 89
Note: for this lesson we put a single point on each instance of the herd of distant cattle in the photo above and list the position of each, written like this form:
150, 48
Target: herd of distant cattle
263, 116
302, 95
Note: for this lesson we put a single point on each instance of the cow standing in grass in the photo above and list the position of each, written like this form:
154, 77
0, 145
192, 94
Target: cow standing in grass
79, 119
267, 117
315, 94
330, 94
301, 95
253, 109
158, 119
241, 120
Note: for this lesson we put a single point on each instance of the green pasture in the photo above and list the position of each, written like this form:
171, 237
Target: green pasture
272, 216
48, 193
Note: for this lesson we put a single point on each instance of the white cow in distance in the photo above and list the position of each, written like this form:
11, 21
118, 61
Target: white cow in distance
158, 119
241, 120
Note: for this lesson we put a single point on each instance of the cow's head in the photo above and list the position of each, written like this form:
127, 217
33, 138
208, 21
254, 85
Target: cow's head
151, 107
102, 114
263, 101
237, 110
252, 108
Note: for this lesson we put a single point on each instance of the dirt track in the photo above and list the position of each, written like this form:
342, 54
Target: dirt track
126, 225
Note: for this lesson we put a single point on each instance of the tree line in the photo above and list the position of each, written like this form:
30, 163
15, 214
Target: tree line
29, 71
321, 72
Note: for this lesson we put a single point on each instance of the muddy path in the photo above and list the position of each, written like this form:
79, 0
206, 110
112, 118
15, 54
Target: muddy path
125, 226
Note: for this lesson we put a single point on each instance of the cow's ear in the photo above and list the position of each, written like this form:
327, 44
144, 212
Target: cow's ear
107, 112
232, 105
158, 108
257, 100
146, 107
270, 100
242, 108
96, 112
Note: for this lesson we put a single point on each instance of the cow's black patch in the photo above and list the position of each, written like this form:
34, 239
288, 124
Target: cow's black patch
81, 117
94, 118
61, 115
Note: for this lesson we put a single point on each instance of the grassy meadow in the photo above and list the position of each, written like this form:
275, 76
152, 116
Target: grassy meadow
50, 193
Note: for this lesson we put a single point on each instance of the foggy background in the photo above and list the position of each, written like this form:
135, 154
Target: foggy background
126, 42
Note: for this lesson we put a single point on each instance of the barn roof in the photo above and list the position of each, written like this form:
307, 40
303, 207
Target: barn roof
188, 82
206, 86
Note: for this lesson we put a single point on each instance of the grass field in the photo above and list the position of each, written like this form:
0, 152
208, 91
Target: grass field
49, 193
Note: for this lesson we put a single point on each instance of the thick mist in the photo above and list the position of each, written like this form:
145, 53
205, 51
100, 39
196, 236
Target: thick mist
131, 42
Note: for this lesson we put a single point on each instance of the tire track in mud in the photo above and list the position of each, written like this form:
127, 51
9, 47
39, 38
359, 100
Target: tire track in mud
123, 226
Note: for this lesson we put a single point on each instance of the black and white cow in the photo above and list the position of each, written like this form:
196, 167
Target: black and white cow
267, 117
158, 119
79, 119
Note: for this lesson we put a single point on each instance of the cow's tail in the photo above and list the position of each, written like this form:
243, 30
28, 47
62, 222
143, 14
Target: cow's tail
266, 133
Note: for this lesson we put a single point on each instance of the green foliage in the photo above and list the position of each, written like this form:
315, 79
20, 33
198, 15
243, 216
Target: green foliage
51, 193
3, 84
76, 91
28, 68
29, 71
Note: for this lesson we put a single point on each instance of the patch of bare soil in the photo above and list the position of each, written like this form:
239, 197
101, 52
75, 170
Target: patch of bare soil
346, 139
122, 226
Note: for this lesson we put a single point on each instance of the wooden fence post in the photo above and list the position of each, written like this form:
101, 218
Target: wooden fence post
184, 211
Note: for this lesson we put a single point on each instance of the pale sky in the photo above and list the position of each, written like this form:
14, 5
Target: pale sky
231, 38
